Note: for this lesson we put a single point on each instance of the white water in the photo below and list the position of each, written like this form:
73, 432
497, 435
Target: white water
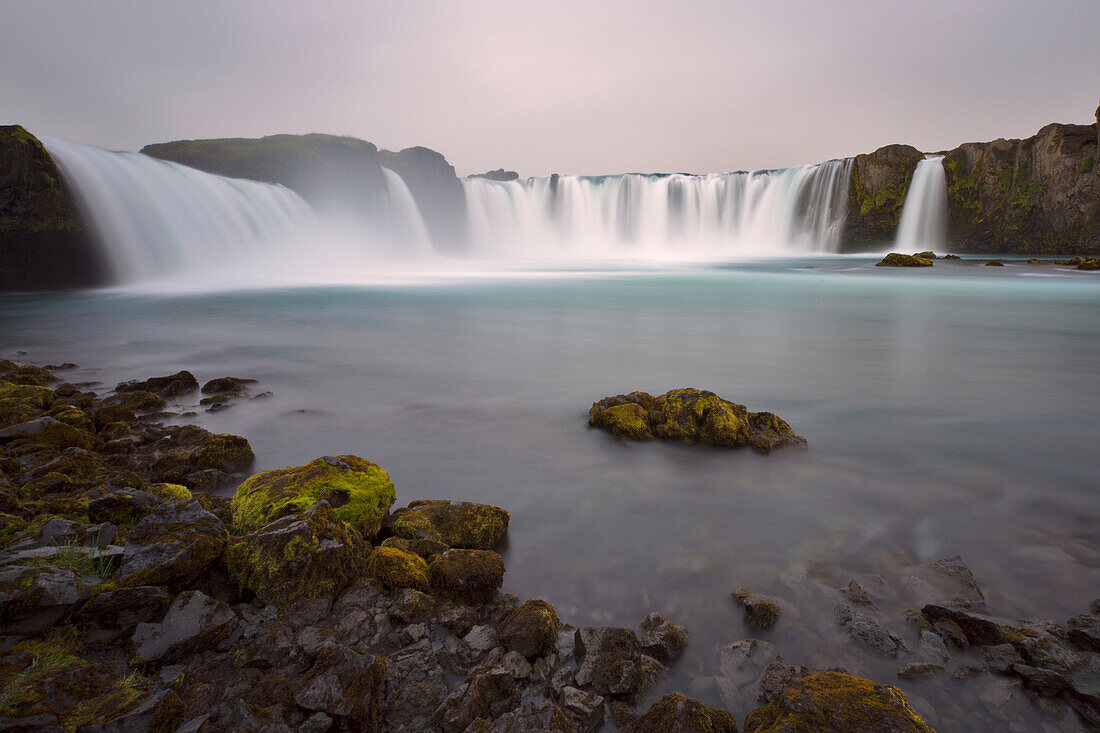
660, 218
924, 218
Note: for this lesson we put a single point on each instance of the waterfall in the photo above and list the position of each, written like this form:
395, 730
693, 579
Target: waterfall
403, 219
660, 217
924, 217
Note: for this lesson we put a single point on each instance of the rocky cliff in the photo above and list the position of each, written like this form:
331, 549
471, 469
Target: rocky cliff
42, 240
876, 194
437, 190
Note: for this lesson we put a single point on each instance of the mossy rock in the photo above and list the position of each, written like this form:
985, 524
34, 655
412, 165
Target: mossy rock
31, 375
760, 612
48, 431
531, 629
172, 385
895, 259
830, 702
171, 492
360, 491
25, 394
310, 554
460, 524
680, 714
138, 401
468, 576
9, 525
218, 453
398, 568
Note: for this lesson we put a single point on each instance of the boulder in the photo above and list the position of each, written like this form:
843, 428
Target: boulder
174, 544
359, 491
458, 524
170, 386
1084, 631
346, 684
894, 259
611, 662
488, 692
306, 555
980, 630
741, 665
867, 630
203, 460
531, 629
33, 598
60, 531
48, 431
467, 576
397, 569
227, 385
662, 639
830, 702
761, 612
693, 416
194, 622
680, 714
123, 506
115, 613
586, 708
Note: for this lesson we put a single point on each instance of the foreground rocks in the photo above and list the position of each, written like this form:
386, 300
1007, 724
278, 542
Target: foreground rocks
691, 416
894, 259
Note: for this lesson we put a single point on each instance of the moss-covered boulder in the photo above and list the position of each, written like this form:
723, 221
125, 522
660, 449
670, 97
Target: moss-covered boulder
530, 629
172, 385
173, 545
834, 702
204, 462
693, 416
468, 576
896, 259
761, 612
360, 492
25, 394
680, 714
170, 492
313, 553
46, 430
398, 569
460, 524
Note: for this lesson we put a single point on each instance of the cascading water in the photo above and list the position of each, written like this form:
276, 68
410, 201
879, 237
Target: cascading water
659, 217
924, 217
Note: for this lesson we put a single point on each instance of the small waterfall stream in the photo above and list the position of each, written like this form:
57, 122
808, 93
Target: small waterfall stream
924, 217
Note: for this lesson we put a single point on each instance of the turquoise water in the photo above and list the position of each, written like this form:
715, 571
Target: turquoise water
948, 411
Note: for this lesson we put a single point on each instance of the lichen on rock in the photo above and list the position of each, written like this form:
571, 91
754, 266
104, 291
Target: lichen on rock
398, 568
469, 576
459, 524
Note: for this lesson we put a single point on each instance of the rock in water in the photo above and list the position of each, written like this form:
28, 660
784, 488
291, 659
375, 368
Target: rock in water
359, 491
460, 524
170, 386
692, 416
895, 259
680, 714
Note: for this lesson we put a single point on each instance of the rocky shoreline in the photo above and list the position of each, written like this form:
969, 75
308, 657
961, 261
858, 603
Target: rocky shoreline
134, 598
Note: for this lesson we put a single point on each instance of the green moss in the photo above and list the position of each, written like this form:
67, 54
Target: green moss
628, 420
455, 524
360, 491
9, 525
468, 576
531, 629
25, 394
680, 714
119, 699
1086, 164
895, 259
760, 612
833, 701
170, 492
398, 569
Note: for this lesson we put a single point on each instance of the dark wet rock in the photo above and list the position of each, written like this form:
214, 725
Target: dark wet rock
1084, 690
305, 555
927, 255
585, 708
895, 259
398, 569
951, 257
227, 385
456, 617
61, 531
920, 670
1000, 657
170, 386
867, 630
42, 723
359, 491
1084, 631
316, 723
48, 431
833, 701
531, 629
947, 581
742, 664
855, 593
122, 506
161, 710
193, 622
1043, 644
761, 612
680, 714
622, 713
467, 576
345, 684
411, 606
1044, 682
693, 416
994, 263
780, 675
662, 639
980, 630
175, 543
33, 598
951, 634
486, 693
459, 524
410, 708
136, 401
200, 460
116, 613
611, 662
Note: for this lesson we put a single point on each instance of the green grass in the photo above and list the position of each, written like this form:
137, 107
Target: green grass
83, 560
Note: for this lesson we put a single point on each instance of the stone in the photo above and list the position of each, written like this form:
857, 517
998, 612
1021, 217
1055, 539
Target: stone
173, 544
227, 385
662, 639
409, 709
170, 386
895, 259
116, 613
481, 638
122, 506
307, 555
760, 612
34, 598
531, 629
516, 665
456, 617
980, 630
608, 659
833, 701
919, 670
345, 684
561, 678
868, 631
1084, 631
586, 708
398, 569
931, 646
855, 593
48, 431
742, 664
1000, 657
951, 634
487, 693
781, 675
680, 714
1045, 682
194, 622
316, 723
1042, 644
61, 531
359, 491
467, 576
161, 710
457, 524
411, 606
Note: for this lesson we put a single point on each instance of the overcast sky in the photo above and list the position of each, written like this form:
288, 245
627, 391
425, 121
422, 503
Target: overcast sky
599, 86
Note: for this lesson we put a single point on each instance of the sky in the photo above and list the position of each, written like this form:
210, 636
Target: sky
592, 87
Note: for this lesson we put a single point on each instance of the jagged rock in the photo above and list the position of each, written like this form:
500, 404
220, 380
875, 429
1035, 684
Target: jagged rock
611, 661
662, 639
122, 506
487, 693
161, 710
868, 631
115, 613
175, 543
482, 638
456, 617
411, 606
194, 621
1000, 657
359, 491
833, 701
496, 175
781, 675
561, 678
516, 665
586, 708
980, 630
951, 634
458, 524
855, 593
742, 664
170, 386
1044, 682
34, 598
680, 714
61, 531
919, 670
227, 385
307, 555
467, 576
1042, 644
531, 629
48, 431
1084, 690
760, 612
1084, 631
409, 709
316, 723
346, 684
932, 646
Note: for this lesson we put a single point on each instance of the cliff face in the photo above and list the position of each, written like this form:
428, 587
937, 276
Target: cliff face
437, 190
1037, 195
42, 240
876, 194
